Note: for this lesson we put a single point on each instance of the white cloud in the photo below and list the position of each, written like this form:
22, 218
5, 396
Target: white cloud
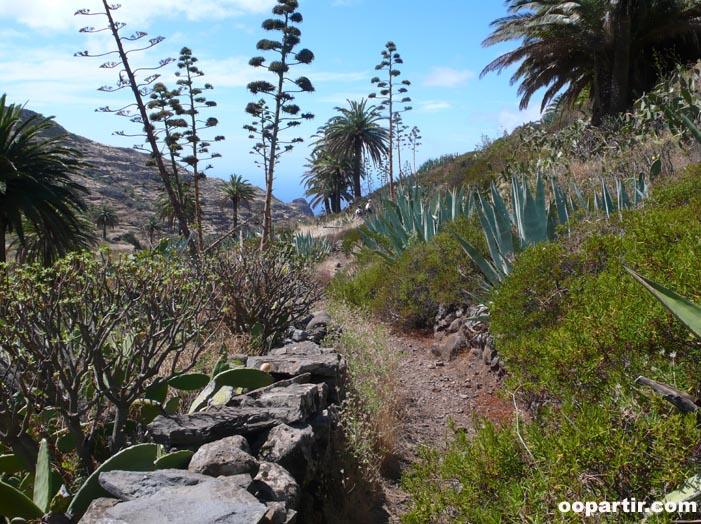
448, 77
433, 106
59, 14
509, 119
230, 72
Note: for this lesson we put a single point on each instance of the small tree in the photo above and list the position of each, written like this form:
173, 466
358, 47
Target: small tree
105, 217
165, 106
199, 148
238, 191
285, 113
139, 89
38, 192
389, 89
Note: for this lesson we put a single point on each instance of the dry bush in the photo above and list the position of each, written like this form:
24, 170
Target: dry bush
261, 294
371, 413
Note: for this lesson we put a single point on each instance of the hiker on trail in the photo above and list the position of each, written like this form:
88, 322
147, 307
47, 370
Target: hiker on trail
368, 207
358, 212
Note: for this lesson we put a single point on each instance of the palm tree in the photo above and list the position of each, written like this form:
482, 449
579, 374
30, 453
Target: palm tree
152, 226
36, 185
356, 133
327, 180
164, 207
615, 49
105, 217
238, 191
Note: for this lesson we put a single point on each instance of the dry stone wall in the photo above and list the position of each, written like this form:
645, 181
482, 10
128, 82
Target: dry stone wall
261, 458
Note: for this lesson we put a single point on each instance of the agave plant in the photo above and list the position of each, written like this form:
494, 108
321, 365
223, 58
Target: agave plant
312, 248
533, 220
690, 315
414, 217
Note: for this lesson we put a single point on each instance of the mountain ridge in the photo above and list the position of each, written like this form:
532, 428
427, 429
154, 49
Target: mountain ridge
120, 178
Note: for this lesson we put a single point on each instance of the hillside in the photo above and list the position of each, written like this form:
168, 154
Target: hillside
120, 178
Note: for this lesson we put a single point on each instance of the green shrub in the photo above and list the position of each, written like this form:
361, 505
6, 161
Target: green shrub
571, 315
410, 290
582, 451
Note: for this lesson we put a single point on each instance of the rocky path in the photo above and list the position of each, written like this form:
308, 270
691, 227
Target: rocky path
434, 391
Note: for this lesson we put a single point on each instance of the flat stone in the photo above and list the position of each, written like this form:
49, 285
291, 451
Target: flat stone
96, 510
245, 415
327, 365
306, 347
219, 501
129, 485
184, 431
301, 398
228, 456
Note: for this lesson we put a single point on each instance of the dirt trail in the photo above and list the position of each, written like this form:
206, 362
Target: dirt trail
433, 392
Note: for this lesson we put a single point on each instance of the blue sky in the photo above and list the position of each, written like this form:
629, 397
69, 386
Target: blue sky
439, 41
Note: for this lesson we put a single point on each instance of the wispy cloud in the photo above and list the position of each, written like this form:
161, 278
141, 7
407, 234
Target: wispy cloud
448, 77
58, 14
509, 119
433, 106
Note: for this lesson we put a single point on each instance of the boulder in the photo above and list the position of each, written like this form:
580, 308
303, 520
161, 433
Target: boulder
328, 365
228, 456
129, 485
452, 345
291, 447
221, 500
306, 347
318, 327
273, 483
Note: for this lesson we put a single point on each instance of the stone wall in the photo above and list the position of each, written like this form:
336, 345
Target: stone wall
260, 458
460, 327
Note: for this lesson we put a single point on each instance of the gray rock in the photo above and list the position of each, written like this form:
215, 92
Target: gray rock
221, 500
318, 318
275, 484
302, 399
318, 327
96, 511
246, 415
291, 447
306, 347
129, 485
455, 325
228, 456
277, 513
452, 345
185, 431
329, 365
299, 335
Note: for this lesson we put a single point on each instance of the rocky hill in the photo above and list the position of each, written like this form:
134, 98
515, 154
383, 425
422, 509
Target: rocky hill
120, 178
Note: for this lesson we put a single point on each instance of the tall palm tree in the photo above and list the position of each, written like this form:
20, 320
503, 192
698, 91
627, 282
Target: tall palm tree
238, 191
328, 179
615, 49
105, 217
36, 184
357, 133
